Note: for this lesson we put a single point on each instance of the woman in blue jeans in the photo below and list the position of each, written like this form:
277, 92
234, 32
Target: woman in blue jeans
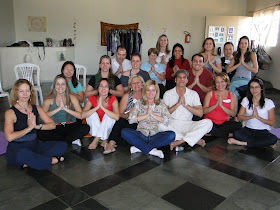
149, 112
258, 112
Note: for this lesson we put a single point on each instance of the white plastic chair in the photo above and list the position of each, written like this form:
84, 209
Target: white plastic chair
80, 69
4, 94
25, 71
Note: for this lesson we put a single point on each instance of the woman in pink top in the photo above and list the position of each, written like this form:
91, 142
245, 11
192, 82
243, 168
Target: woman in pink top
219, 104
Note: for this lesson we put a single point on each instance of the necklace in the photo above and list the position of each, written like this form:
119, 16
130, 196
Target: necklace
25, 109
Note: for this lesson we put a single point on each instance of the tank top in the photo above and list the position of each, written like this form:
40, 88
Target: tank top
61, 116
243, 72
21, 124
94, 101
218, 116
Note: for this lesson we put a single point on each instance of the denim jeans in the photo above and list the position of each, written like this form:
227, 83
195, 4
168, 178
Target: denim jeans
237, 82
147, 143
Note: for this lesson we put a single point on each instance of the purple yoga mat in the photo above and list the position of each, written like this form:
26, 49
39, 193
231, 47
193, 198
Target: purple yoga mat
276, 132
3, 143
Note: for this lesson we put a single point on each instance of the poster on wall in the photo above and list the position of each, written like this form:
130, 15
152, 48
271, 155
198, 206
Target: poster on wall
217, 33
37, 24
229, 38
231, 30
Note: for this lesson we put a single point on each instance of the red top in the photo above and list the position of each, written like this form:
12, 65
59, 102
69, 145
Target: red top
205, 79
94, 101
178, 62
218, 116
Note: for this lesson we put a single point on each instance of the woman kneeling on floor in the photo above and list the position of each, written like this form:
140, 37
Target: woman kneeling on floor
258, 112
103, 115
21, 123
63, 108
149, 112
219, 104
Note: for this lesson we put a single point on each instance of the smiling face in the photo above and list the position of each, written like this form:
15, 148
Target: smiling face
136, 84
228, 50
152, 57
255, 89
68, 71
151, 92
220, 84
197, 63
103, 88
121, 54
243, 44
178, 52
60, 85
24, 93
209, 45
181, 80
105, 65
135, 62
163, 41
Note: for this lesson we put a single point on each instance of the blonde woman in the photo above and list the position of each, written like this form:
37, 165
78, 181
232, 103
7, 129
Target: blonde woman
148, 113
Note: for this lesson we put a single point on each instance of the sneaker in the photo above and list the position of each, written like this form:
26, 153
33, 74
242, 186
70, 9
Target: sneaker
157, 153
134, 149
179, 148
77, 142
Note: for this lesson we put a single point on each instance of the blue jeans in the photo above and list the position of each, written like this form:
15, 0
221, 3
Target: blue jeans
255, 138
147, 143
237, 82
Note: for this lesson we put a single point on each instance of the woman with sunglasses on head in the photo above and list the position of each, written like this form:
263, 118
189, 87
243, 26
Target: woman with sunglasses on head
258, 112
21, 123
101, 112
128, 101
63, 107
68, 69
212, 61
176, 62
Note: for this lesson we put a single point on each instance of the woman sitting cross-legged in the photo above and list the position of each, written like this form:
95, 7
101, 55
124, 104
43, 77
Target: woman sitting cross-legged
135, 85
21, 123
63, 108
149, 112
219, 104
101, 112
258, 112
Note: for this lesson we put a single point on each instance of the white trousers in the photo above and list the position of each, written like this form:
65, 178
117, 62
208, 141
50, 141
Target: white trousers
190, 131
100, 129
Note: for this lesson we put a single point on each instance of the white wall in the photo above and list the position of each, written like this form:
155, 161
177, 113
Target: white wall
7, 27
273, 74
184, 15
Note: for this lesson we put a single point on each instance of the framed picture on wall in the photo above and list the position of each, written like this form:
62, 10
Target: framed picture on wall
230, 30
230, 38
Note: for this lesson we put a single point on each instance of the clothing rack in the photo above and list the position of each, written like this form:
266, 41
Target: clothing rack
131, 39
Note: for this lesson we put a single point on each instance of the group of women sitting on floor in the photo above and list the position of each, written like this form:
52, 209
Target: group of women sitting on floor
140, 111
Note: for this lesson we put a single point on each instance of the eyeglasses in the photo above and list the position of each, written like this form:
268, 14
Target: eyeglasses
254, 87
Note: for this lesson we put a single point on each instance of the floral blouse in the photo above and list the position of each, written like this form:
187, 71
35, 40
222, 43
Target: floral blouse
149, 126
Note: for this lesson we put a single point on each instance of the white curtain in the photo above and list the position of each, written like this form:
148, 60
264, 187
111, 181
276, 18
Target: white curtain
265, 26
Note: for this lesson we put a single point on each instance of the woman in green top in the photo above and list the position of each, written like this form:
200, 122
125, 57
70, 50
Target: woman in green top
63, 107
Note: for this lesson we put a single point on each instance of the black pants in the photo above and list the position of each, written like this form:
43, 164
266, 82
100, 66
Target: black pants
255, 138
68, 133
170, 84
116, 131
225, 128
162, 90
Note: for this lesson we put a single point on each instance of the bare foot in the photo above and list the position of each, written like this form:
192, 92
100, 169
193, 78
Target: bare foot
110, 148
230, 141
201, 142
230, 135
234, 141
273, 146
25, 166
55, 160
92, 145
104, 144
176, 143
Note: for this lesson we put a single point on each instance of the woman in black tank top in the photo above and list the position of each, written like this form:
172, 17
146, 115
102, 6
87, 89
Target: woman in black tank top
21, 123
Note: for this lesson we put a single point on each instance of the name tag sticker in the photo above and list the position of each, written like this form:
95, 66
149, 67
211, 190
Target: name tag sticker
227, 100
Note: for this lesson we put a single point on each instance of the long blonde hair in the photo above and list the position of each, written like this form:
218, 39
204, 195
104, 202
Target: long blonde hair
14, 91
146, 87
167, 50
67, 91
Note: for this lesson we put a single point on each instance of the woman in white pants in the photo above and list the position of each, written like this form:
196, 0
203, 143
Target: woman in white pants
101, 112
